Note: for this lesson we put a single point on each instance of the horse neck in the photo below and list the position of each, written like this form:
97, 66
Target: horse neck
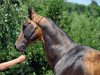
55, 35
56, 42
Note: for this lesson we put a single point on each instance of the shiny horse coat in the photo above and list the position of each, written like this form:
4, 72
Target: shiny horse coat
64, 56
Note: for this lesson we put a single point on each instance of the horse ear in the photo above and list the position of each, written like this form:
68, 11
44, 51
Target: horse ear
30, 13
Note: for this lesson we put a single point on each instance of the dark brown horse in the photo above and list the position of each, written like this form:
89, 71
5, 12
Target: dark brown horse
64, 56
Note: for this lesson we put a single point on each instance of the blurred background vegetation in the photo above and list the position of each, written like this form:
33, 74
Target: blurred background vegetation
80, 22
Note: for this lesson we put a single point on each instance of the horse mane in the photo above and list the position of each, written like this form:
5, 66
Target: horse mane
59, 30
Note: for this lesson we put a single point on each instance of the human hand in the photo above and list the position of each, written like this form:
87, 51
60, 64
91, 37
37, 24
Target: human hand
21, 58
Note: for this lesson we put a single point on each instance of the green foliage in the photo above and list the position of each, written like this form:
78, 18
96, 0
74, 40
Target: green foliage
74, 19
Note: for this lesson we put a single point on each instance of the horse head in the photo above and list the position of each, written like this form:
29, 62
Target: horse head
29, 33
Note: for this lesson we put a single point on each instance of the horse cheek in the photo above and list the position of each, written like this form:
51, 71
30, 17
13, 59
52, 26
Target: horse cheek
28, 32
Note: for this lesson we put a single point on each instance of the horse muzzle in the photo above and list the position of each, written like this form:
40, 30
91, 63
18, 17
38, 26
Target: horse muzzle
20, 48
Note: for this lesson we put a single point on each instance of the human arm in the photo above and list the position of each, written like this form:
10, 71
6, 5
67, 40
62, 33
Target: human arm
8, 64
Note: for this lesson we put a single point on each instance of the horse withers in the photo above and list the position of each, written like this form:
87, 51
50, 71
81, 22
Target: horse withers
64, 56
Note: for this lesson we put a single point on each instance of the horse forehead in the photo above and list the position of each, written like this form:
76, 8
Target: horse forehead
31, 22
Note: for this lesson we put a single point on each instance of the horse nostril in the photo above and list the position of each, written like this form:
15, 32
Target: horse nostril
22, 47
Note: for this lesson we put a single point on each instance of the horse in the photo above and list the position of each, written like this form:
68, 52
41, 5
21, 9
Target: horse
64, 55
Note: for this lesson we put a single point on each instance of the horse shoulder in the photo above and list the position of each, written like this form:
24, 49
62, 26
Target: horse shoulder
92, 62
